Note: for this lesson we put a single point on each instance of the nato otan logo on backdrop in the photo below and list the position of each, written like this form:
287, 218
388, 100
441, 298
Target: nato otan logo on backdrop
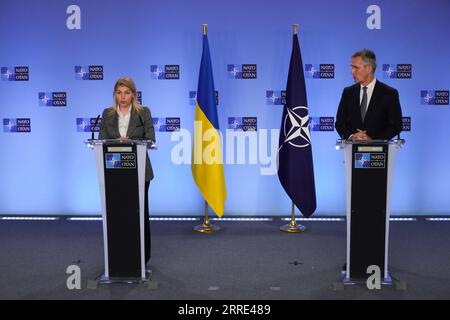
319, 71
321, 123
87, 124
397, 71
406, 123
167, 124
89, 72
15, 73
165, 72
16, 125
434, 97
243, 123
242, 71
193, 97
52, 99
275, 97
139, 97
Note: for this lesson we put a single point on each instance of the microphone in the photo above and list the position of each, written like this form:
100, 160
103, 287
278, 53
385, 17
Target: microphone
93, 128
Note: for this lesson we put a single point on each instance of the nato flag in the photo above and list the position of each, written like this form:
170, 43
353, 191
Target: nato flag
295, 163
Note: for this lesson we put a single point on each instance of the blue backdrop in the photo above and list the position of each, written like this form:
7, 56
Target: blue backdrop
48, 170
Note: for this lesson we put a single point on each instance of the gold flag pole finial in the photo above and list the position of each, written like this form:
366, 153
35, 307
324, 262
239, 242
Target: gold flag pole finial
205, 27
206, 227
295, 27
293, 227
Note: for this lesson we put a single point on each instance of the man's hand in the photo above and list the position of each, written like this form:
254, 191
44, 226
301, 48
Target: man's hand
360, 135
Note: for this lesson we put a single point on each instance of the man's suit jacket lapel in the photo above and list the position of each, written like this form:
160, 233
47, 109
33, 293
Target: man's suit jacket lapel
373, 101
357, 105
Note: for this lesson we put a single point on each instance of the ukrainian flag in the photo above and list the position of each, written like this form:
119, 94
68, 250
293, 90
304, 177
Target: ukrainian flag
207, 160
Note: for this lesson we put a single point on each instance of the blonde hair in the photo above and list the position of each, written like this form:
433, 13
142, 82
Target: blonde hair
129, 83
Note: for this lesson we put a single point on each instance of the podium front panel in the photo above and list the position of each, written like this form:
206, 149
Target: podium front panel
122, 210
368, 208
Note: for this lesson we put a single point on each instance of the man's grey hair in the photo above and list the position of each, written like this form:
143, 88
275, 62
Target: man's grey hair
368, 57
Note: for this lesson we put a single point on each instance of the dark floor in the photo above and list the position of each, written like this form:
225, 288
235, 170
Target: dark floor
243, 261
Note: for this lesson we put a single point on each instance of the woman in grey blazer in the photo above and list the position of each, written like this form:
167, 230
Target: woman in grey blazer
127, 119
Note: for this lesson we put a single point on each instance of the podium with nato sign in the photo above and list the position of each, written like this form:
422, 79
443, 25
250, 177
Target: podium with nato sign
369, 169
121, 173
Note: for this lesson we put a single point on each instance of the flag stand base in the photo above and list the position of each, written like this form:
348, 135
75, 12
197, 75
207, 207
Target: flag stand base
293, 228
206, 227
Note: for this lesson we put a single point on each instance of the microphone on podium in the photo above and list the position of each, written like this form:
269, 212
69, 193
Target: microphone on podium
93, 128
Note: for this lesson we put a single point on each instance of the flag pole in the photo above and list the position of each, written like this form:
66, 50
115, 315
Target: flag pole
293, 227
206, 227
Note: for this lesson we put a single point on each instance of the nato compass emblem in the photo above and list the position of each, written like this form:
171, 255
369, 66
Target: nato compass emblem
113, 160
362, 160
389, 70
234, 71
234, 124
82, 125
157, 72
10, 125
296, 127
157, 125
312, 70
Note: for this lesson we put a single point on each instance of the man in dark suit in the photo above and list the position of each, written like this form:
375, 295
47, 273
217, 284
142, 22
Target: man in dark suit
127, 119
369, 109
